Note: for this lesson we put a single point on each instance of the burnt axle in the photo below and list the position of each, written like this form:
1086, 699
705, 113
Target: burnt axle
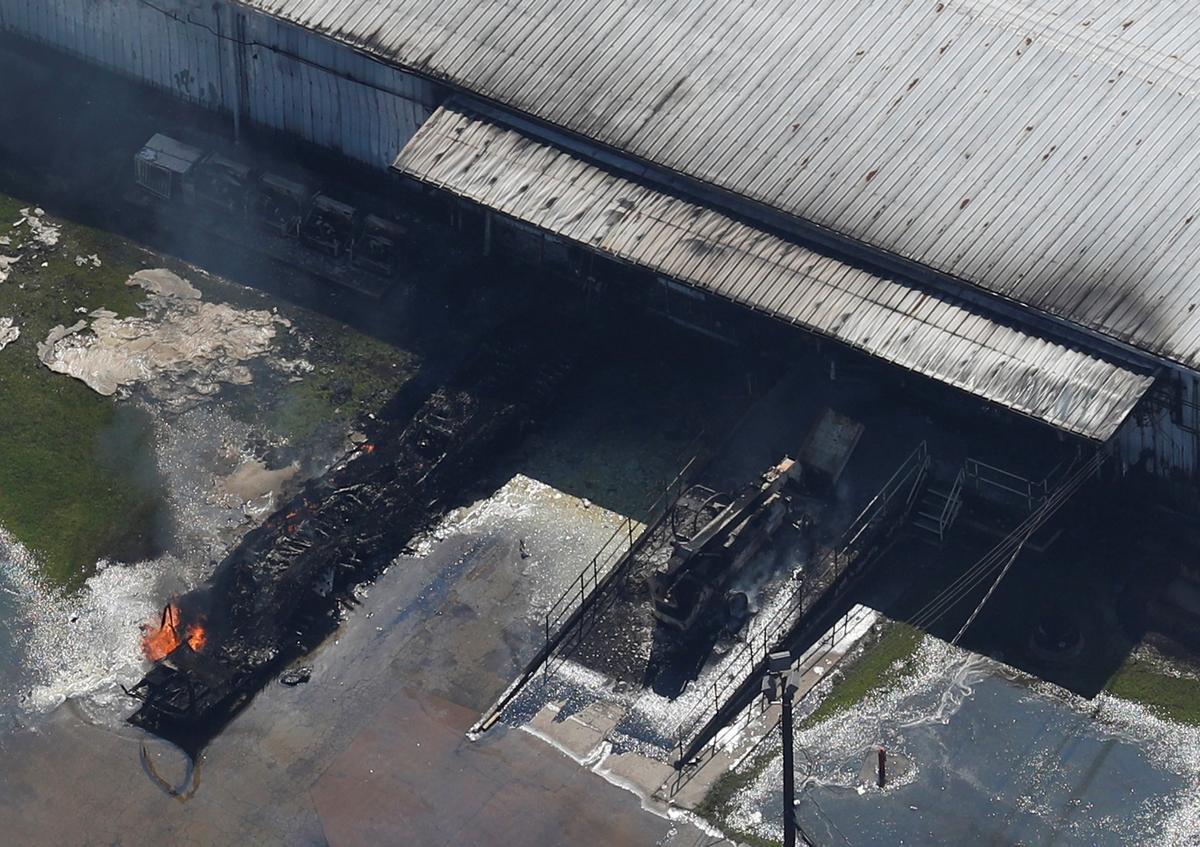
274, 596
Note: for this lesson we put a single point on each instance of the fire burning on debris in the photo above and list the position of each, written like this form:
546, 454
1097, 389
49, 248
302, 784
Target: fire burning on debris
160, 641
276, 595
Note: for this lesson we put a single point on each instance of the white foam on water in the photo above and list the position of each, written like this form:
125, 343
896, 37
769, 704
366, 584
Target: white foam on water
928, 695
967, 671
943, 681
84, 645
1171, 745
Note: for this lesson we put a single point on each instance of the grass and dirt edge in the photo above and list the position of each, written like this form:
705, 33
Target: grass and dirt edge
883, 659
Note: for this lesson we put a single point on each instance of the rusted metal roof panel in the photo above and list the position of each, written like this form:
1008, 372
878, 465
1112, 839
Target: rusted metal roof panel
1039, 149
924, 331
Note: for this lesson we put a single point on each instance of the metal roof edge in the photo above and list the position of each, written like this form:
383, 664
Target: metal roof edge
444, 154
828, 242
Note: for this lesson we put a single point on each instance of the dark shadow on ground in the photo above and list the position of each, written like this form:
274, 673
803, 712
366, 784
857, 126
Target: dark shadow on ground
1070, 614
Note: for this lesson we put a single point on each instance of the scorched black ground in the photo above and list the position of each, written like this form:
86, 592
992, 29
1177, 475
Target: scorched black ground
276, 595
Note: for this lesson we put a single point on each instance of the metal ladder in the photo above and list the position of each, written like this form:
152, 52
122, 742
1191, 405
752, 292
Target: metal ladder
937, 510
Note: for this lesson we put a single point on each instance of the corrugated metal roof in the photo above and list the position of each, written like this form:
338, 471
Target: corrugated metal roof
1041, 149
923, 331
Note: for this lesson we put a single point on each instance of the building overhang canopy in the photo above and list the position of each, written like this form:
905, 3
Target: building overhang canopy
925, 331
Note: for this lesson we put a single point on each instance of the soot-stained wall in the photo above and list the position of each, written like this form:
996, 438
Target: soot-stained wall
225, 57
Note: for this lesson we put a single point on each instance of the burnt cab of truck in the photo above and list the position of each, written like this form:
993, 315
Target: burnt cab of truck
329, 226
223, 184
377, 247
164, 168
696, 583
277, 204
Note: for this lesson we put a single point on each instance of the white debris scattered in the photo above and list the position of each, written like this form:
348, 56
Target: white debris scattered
91, 260
295, 368
8, 332
6, 263
181, 349
44, 233
165, 283
5, 241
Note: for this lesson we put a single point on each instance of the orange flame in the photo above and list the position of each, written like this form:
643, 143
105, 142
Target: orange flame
367, 448
197, 637
161, 639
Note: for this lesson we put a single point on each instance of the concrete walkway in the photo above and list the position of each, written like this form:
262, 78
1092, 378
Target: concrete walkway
589, 734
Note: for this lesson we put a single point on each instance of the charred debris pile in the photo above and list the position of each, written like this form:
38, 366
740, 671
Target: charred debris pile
276, 594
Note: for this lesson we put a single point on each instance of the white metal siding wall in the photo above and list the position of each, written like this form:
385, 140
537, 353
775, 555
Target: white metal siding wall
132, 38
328, 94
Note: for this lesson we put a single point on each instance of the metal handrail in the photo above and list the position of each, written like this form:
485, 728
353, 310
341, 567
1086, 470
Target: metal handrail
953, 504
618, 546
765, 639
984, 474
914, 465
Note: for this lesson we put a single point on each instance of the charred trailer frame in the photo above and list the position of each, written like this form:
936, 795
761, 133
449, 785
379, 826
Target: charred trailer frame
702, 566
276, 594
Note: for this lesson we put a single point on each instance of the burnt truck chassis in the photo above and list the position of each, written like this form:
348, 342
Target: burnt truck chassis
276, 595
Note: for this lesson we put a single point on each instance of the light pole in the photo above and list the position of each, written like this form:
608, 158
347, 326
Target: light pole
779, 686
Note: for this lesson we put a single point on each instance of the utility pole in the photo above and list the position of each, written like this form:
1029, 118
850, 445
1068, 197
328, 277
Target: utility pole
780, 687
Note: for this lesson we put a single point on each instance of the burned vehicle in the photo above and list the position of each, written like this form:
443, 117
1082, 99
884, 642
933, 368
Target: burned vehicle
722, 548
706, 561
278, 593
172, 176
329, 226
223, 185
378, 246
278, 204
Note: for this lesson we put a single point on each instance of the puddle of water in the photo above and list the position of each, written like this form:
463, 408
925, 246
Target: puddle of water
995, 760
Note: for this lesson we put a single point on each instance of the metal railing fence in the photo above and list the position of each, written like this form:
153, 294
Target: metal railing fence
893, 501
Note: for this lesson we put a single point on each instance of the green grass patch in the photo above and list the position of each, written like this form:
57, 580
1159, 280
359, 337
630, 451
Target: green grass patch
77, 472
77, 476
880, 665
352, 373
717, 805
1170, 697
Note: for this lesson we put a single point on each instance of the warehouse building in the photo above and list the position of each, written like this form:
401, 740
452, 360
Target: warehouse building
997, 196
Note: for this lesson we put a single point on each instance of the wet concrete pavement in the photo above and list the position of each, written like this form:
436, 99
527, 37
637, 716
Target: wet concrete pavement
994, 758
373, 749
510, 789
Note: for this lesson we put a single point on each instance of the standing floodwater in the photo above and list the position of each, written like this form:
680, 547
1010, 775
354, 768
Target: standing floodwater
987, 757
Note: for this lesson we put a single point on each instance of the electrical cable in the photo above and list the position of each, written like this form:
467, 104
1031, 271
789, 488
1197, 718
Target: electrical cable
1010, 547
